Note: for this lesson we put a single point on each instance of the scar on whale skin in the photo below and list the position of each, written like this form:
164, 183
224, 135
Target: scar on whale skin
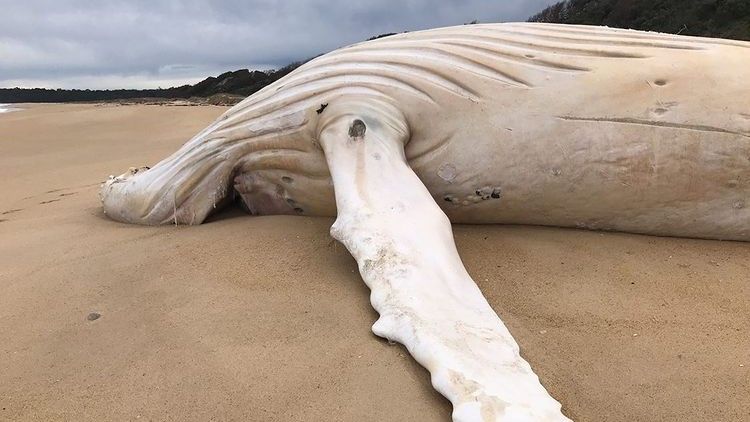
447, 172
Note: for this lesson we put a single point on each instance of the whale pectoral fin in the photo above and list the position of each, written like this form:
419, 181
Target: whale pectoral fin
404, 246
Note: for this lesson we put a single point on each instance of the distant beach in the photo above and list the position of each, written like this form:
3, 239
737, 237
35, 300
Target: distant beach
5, 108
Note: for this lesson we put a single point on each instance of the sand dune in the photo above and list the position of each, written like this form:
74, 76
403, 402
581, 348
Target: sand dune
266, 319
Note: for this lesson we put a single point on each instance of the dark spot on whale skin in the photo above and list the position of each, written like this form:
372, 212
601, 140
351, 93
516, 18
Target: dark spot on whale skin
322, 108
93, 316
291, 201
357, 129
450, 198
489, 192
287, 179
299, 210
660, 82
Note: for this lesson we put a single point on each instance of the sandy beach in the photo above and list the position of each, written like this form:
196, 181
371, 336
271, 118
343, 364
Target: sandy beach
266, 318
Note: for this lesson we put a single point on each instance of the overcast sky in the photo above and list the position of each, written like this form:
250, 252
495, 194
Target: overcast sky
147, 44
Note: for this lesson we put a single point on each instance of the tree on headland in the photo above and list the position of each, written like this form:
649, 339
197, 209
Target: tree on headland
706, 18
237, 84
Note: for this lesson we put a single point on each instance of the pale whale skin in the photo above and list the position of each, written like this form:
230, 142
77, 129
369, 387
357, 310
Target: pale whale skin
509, 123
571, 126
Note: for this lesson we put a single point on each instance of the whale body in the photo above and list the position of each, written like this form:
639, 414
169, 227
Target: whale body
571, 126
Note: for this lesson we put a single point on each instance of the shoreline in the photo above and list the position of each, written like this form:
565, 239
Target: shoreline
225, 100
9, 108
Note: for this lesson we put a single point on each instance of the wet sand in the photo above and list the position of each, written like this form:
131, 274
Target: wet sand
266, 319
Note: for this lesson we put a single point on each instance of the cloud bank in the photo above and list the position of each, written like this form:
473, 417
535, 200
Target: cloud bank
148, 44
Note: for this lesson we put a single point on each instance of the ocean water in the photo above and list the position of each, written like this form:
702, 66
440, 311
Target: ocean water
5, 108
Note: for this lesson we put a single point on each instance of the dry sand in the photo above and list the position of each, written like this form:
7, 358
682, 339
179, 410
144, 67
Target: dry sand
266, 319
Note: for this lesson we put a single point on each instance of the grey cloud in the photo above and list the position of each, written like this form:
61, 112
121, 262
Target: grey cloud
99, 44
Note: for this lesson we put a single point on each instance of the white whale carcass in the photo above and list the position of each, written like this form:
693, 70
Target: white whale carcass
544, 124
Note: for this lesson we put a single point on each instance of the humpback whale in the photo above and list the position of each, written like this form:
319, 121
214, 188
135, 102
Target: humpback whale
516, 123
